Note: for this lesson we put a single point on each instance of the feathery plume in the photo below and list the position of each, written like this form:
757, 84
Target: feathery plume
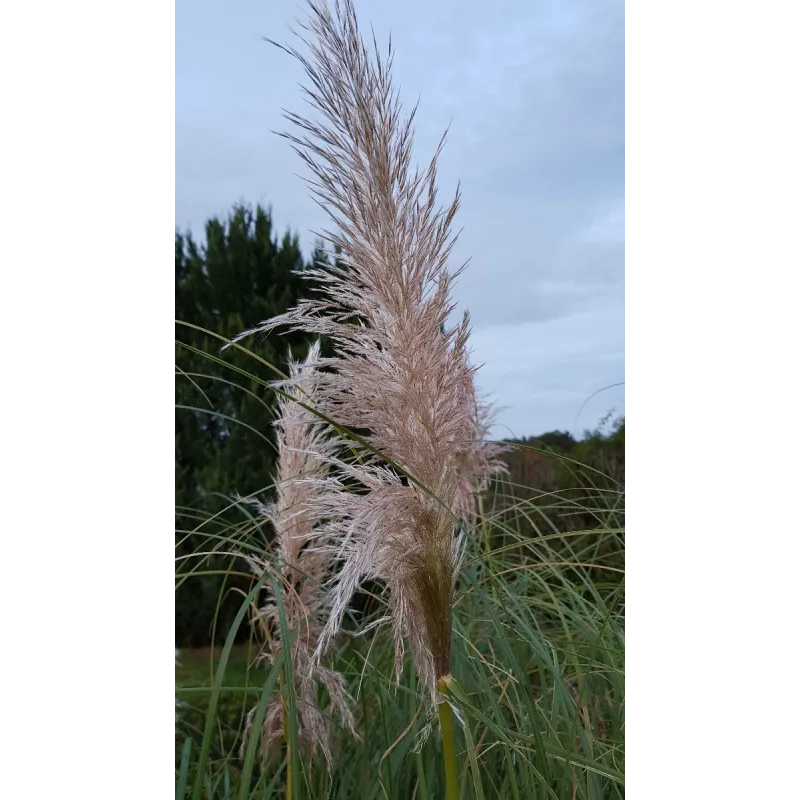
303, 452
482, 460
397, 371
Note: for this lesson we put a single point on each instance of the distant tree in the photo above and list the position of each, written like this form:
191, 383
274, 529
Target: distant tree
562, 441
223, 441
242, 276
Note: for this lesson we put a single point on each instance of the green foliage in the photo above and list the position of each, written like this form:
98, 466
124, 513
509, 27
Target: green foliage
538, 658
223, 442
243, 275
569, 487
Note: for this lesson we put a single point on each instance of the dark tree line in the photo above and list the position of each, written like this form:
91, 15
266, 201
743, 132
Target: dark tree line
244, 273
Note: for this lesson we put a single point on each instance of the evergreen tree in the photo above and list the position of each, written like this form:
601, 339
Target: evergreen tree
223, 440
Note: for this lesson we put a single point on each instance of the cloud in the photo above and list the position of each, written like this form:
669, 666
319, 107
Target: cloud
535, 94
542, 372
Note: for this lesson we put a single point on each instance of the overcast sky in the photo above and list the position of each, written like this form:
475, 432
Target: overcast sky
535, 93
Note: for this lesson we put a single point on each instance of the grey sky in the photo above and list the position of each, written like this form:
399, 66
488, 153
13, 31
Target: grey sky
534, 93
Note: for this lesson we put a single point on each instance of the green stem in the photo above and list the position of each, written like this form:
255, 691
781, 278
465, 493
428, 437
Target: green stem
289, 787
448, 744
286, 737
487, 545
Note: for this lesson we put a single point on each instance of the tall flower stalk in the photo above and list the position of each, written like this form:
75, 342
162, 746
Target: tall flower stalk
398, 370
301, 567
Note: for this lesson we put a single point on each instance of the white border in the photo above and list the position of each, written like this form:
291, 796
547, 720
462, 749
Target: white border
87, 293
712, 261
712, 256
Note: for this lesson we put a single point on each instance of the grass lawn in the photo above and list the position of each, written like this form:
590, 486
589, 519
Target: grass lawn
195, 667
194, 672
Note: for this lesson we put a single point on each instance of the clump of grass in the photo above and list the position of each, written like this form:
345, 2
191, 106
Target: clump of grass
539, 654
303, 452
397, 371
